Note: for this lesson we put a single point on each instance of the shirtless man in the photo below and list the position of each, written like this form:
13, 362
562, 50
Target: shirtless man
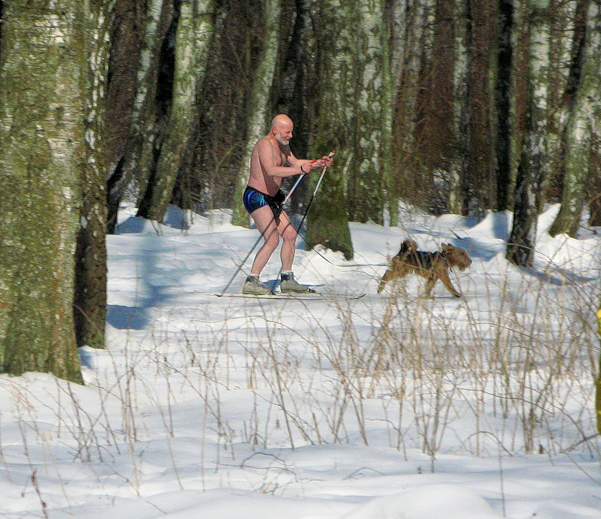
270, 162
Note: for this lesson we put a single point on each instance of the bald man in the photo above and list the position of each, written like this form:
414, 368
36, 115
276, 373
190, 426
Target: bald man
271, 160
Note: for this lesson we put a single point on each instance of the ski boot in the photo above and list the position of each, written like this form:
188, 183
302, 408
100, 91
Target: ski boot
289, 285
254, 287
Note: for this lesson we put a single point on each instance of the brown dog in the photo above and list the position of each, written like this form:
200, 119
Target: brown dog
430, 265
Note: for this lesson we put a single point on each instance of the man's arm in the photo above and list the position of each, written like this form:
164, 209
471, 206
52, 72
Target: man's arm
307, 165
300, 163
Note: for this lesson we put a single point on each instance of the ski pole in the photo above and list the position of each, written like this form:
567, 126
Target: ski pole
259, 239
323, 172
331, 154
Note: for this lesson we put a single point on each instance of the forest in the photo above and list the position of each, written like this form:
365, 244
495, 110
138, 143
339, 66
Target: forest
449, 106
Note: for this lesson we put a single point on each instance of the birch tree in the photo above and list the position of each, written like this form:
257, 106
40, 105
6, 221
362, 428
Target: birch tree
385, 167
595, 202
91, 258
327, 222
481, 182
459, 160
568, 27
298, 79
582, 124
365, 187
42, 105
503, 91
258, 109
533, 158
297, 82
222, 104
133, 100
423, 117
598, 378
193, 38
406, 61
443, 128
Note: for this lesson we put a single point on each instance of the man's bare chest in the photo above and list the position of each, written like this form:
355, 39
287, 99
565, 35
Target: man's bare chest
279, 158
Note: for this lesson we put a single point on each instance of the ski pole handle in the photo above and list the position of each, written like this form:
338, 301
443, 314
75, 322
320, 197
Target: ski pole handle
325, 168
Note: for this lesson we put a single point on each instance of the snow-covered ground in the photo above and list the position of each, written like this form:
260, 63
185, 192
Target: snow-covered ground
391, 406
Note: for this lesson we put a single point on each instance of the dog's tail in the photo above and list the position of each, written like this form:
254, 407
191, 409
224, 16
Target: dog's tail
407, 247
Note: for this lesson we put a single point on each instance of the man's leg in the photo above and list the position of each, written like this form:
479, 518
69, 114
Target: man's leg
266, 225
289, 234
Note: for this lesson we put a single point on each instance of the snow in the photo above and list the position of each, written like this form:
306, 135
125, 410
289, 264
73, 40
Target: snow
387, 407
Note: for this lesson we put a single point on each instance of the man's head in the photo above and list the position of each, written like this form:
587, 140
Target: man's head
281, 128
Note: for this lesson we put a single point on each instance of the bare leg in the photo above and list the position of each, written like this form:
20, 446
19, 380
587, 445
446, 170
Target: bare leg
288, 232
266, 225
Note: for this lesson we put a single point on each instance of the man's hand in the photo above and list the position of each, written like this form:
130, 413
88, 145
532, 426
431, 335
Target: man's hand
327, 160
324, 162
307, 165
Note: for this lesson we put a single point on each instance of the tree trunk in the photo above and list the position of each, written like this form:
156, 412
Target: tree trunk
386, 170
444, 112
297, 81
138, 157
503, 105
533, 159
598, 379
91, 269
258, 110
582, 124
194, 34
41, 151
222, 103
365, 189
482, 167
458, 194
595, 202
327, 222
123, 106
424, 179
568, 27
298, 78
406, 160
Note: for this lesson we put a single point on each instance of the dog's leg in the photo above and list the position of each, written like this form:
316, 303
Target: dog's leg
397, 270
431, 281
446, 281
388, 275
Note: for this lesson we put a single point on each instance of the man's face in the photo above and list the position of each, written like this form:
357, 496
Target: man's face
283, 133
